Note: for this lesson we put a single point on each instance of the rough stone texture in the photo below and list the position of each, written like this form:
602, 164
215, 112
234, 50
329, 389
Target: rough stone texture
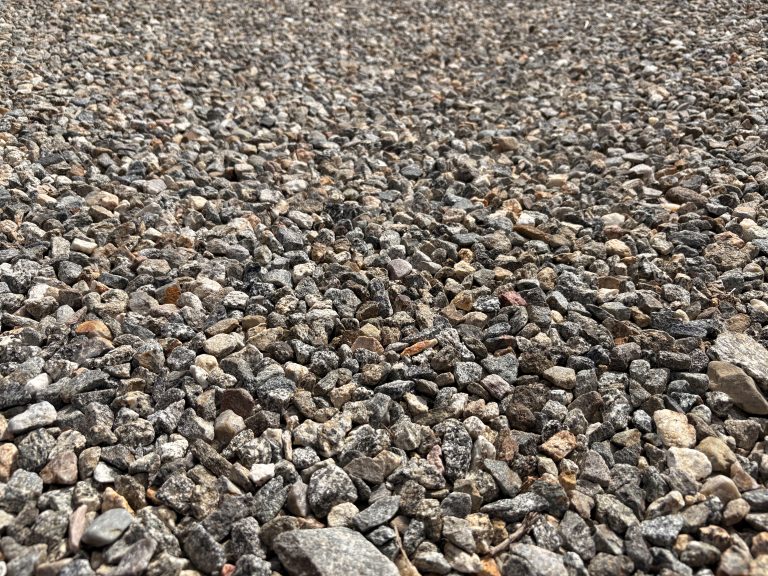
328, 487
674, 430
37, 415
107, 527
692, 462
743, 351
435, 272
331, 551
741, 388
527, 559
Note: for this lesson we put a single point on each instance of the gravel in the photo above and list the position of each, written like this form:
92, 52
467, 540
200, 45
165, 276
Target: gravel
378, 288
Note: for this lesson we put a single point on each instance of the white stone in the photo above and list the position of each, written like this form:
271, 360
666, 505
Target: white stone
692, 462
84, 246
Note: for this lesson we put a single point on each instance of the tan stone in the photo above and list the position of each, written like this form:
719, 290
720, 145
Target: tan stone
93, 328
744, 482
759, 566
629, 437
718, 453
559, 445
367, 343
103, 199
506, 446
9, 456
692, 462
735, 511
618, 248
722, 487
715, 535
342, 514
673, 429
112, 499
78, 522
61, 469
760, 544
735, 560
488, 567
740, 387
463, 301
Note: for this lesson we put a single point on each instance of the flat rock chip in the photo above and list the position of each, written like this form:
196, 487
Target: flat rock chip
528, 559
107, 527
559, 445
330, 552
745, 352
740, 387
36, 416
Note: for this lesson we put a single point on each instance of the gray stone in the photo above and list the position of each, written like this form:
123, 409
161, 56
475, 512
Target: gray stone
330, 552
206, 554
250, 565
515, 509
329, 486
528, 560
503, 366
617, 515
36, 416
467, 373
136, 558
662, 531
577, 536
381, 511
428, 559
107, 527
594, 469
508, 480
399, 269
457, 451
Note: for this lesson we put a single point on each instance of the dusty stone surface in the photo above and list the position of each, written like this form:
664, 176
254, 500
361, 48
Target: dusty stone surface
367, 287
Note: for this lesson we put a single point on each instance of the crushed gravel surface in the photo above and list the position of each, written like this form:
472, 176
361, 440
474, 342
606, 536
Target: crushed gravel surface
383, 288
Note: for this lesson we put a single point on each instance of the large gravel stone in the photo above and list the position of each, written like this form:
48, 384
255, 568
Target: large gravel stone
741, 388
744, 352
330, 551
107, 527
674, 430
328, 487
532, 560
36, 416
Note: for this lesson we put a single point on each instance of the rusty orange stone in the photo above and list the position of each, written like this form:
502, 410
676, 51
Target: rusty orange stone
93, 328
171, 294
488, 567
567, 480
419, 347
152, 497
113, 499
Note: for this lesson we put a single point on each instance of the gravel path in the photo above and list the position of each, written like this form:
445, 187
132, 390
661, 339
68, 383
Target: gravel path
380, 288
